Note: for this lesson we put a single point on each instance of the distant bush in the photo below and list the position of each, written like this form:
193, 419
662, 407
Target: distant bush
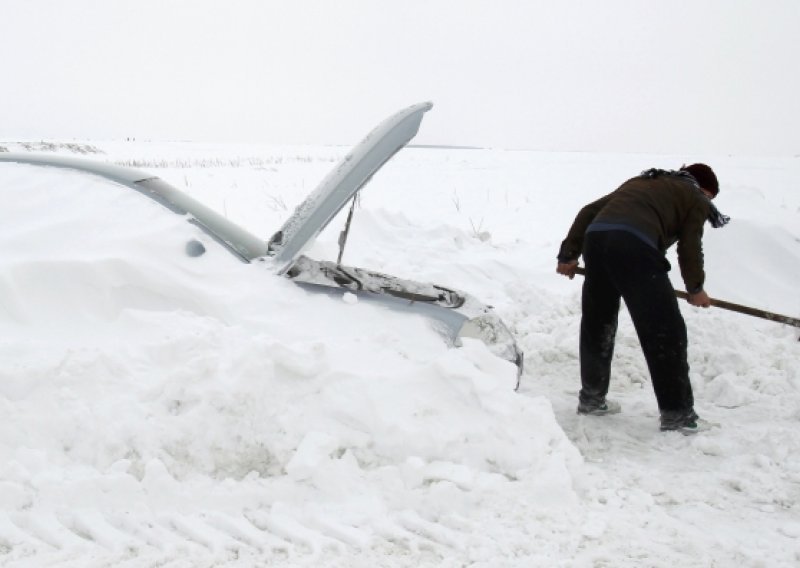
238, 162
56, 146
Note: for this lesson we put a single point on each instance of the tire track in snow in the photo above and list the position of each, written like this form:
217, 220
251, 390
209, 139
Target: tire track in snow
120, 538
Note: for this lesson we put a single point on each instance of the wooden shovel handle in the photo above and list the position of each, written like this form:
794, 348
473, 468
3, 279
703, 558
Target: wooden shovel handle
747, 310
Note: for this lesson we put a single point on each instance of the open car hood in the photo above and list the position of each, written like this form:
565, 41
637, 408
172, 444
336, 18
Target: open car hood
350, 175
454, 313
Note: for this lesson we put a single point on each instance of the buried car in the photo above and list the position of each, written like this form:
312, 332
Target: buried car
456, 314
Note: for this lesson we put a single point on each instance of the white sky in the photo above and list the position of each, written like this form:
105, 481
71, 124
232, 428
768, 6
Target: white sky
706, 76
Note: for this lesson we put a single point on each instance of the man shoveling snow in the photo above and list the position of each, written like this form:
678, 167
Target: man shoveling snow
623, 238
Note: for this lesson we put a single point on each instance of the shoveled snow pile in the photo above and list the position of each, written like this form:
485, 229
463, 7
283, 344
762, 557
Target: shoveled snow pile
163, 409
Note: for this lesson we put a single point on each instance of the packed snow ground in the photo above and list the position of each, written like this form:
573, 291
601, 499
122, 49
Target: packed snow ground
162, 410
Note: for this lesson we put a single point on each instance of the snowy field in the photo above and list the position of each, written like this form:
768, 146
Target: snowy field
162, 410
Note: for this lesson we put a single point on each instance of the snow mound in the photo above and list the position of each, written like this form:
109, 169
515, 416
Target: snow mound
160, 398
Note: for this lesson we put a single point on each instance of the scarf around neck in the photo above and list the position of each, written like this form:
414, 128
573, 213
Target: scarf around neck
715, 218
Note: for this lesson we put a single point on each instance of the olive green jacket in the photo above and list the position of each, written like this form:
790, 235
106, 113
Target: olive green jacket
663, 210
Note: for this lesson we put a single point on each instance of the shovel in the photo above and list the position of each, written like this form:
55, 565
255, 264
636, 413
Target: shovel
747, 310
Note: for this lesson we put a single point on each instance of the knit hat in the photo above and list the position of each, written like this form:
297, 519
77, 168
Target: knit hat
704, 176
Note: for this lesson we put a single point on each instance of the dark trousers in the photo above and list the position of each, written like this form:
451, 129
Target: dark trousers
620, 264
